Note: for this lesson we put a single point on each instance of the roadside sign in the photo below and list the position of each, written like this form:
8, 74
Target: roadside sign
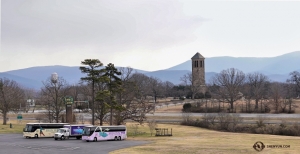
19, 117
68, 100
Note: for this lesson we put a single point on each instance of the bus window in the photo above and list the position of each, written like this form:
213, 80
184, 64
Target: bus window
87, 131
28, 128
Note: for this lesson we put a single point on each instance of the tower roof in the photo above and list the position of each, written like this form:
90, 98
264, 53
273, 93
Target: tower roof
197, 56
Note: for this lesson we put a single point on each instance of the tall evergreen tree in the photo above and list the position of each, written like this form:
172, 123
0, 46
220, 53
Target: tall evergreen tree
92, 77
114, 83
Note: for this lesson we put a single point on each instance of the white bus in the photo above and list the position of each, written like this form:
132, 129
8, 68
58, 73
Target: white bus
41, 129
100, 133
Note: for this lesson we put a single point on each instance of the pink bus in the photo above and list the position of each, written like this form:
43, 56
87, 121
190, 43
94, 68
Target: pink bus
100, 133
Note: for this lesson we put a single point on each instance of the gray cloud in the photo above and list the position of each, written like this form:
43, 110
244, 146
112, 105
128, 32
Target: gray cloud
101, 24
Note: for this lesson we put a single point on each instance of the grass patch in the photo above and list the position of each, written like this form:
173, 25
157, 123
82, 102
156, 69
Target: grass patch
188, 139
17, 127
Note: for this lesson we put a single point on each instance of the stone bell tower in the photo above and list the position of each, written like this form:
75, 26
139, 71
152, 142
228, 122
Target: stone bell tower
198, 72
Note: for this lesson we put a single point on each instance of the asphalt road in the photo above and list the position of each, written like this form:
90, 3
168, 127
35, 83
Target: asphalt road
244, 115
16, 144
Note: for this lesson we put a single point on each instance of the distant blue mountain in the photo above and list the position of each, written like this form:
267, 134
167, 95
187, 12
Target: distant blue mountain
276, 68
24, 82
283, 64
174, 75
34, 76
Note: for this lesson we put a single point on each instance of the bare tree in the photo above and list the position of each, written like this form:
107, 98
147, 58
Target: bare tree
217, 93
258, 86
156, 88
141, 104
30, 97
288, 94
195, 87
11, 95
276, 95
295, 80
152, 125
86, 94
74, 91
52, 97
230, 81
126, 96
247, 96
168, 88
179, 91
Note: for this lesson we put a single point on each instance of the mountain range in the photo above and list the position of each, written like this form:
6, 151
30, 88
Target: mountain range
276, 68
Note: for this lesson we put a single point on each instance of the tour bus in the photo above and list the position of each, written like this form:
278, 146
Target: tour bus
41, 129
100, 133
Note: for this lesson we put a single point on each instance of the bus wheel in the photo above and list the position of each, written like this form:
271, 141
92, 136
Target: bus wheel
55, 138
95, 139
87, 141
36, 136
119, 138
116, 138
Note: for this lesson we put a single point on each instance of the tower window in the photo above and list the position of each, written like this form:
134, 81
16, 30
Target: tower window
196, 64
201, 63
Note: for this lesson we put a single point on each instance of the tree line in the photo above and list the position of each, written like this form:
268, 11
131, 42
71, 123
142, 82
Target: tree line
116, 94
112, 94
231, 85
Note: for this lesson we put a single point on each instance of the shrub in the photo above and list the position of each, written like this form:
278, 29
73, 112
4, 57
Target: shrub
152, 125
270, 129
187, 107
224, 120
186, 116
134, 128
260, 122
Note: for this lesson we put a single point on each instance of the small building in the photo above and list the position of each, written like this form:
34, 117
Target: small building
30, 103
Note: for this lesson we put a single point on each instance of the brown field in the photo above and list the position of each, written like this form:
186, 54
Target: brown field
176, 109
187, 139
238, 105
195, 140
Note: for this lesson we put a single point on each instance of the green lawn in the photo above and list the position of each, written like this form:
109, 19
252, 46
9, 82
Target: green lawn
16, 128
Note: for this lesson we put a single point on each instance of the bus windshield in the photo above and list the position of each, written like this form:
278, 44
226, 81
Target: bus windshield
88, 131
28, 128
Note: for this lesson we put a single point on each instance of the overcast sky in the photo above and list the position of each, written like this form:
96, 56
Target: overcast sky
148, 35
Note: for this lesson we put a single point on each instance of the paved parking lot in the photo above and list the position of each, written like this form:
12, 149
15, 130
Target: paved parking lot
16, 144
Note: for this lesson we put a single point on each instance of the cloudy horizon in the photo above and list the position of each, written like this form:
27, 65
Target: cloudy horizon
147, 35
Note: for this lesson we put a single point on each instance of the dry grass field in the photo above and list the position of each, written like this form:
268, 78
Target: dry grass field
170, 109
187, 139
17, 127
239, 105
193, 140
